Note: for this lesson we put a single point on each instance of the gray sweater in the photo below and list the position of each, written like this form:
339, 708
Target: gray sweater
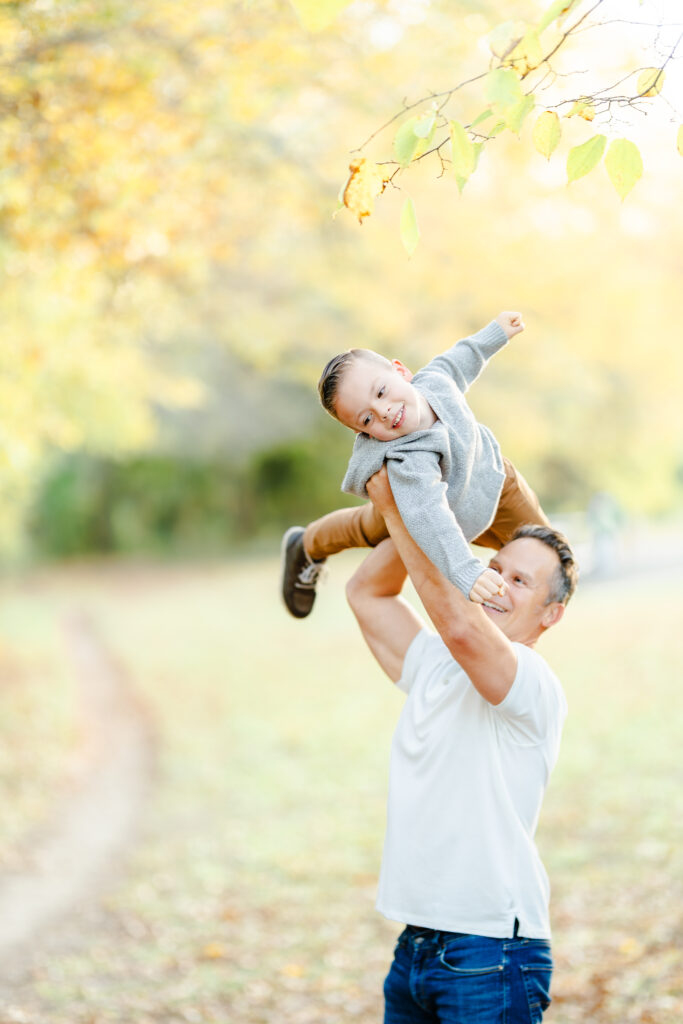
446, 479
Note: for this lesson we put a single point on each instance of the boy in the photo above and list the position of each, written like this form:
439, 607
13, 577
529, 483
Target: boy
450, 482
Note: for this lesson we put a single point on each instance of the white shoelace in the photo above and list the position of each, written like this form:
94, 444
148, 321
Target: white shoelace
310, 574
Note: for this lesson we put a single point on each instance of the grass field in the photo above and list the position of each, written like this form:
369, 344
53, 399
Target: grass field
250, 895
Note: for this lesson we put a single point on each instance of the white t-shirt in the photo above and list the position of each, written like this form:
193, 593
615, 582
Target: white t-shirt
466, 784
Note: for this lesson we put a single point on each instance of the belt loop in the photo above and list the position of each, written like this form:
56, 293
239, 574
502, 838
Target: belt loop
516, 931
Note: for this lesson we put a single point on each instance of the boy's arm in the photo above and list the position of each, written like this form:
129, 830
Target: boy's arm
421, 496
468, 357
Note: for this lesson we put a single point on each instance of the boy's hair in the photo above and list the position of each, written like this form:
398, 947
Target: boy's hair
566, 576
333, 374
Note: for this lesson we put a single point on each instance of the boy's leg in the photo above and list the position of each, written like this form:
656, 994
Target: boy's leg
304, 551
359, 527
517, 506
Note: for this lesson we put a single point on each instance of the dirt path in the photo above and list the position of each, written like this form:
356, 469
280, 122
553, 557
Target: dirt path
66, 860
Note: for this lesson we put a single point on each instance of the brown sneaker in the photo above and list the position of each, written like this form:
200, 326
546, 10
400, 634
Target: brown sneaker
300, 574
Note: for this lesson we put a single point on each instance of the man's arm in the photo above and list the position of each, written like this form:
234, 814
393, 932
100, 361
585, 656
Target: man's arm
387, 621
479, 647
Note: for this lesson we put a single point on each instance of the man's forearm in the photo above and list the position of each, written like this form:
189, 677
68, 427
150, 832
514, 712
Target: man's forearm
443, 601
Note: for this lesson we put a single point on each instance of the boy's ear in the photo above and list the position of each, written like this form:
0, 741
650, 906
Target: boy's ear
403, 370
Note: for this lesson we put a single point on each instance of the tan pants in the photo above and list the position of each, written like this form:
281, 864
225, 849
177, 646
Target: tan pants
364, 527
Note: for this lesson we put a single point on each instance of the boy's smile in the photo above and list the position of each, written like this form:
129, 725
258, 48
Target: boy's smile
380, 401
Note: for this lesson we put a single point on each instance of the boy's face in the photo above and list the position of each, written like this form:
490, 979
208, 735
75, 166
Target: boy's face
377, 399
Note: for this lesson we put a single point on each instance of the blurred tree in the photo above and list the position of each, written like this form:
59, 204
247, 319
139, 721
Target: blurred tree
169, 173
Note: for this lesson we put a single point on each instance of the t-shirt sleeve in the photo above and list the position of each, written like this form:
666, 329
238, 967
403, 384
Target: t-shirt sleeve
421, 648
535, 707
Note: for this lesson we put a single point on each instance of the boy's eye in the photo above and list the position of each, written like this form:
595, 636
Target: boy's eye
366, 421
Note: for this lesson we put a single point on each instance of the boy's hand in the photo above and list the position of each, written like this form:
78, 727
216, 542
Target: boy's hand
511, 323
489, 584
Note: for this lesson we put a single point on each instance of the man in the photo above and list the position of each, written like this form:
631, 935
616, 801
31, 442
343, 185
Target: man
473, 749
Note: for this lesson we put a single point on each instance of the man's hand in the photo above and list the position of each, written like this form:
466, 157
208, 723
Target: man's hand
379, 491
487, 586
511, 323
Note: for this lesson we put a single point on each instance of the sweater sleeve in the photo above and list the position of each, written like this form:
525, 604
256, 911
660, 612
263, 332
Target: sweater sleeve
421, 497
467, 358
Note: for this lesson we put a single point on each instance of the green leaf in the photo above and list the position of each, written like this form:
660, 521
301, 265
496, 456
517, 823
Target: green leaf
315, 15
517, 114
406, 142
410, 232
503, 90
679, 140
424, 127
650, 82
582, 159
463, 153
556, 10
624, 165
505, 37
547, 133
485, 114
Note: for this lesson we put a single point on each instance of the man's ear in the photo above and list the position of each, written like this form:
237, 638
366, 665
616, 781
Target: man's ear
552, 614
403, 370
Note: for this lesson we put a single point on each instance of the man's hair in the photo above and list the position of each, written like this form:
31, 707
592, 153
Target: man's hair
333, 374
566, 576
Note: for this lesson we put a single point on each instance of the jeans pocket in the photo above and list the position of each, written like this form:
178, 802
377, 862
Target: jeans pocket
470, 958
537, 985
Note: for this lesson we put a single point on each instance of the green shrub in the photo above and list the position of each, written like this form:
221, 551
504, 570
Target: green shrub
173, 504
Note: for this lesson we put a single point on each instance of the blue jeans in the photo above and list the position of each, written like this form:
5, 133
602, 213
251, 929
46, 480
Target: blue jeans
449, 978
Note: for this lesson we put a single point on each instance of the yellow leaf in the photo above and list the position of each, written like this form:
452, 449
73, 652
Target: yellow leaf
527, 54
631, 947
213, 951
367, 181
315, 15
624, 165
547, 133
582, 108
650, 82
293, 970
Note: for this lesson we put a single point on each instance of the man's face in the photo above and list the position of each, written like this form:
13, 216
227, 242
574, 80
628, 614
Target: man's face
378, 399
528, 566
